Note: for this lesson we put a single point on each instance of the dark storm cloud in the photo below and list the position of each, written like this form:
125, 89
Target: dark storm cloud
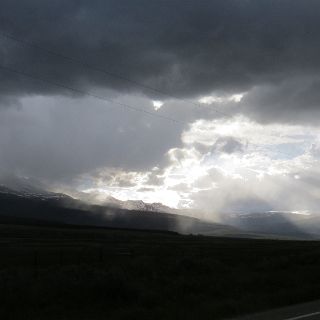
294, 100
185, 48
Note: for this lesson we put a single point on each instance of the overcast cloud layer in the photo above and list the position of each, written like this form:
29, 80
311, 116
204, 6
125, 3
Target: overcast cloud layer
185, 48
241, 77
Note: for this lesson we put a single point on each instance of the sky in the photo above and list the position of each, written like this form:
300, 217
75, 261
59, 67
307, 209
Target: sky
209, 105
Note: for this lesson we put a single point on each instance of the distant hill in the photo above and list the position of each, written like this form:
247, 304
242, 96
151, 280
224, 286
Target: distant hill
21, 202
139, 205
276, 223
40, 207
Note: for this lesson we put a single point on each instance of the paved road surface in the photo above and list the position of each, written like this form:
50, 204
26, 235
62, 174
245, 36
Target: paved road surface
305, 311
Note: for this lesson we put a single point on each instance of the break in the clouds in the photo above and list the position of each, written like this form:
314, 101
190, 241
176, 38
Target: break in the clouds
240, 77
278, 170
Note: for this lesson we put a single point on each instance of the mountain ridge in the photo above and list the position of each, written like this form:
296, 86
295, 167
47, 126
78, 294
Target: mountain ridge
59, 208
25, 203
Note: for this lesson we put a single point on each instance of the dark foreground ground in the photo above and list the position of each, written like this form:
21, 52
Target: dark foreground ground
87, 273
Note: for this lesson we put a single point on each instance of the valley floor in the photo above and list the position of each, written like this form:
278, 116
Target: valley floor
91, 273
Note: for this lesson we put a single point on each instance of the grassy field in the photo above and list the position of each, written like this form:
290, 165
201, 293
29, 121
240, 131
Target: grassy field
87, 273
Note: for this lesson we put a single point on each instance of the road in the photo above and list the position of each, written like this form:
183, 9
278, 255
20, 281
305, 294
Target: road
305, 311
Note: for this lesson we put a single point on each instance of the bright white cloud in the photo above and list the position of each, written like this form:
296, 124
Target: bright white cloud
157, 104
237, 97
265, 167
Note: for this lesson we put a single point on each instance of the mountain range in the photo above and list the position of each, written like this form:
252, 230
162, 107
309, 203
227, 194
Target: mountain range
21, 202
33, 206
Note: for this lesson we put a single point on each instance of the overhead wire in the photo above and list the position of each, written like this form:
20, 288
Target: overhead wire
102, 70
107, 73
87, 93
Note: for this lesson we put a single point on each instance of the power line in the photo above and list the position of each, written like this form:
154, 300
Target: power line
103, 71
125, 105
110, 74
78, 61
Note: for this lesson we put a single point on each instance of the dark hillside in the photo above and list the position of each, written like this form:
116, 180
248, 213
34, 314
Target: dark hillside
60, 209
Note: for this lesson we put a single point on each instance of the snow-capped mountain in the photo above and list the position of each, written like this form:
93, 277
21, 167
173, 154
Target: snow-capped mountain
20, 199
25, 188
138, 205
26, 205
32, 194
